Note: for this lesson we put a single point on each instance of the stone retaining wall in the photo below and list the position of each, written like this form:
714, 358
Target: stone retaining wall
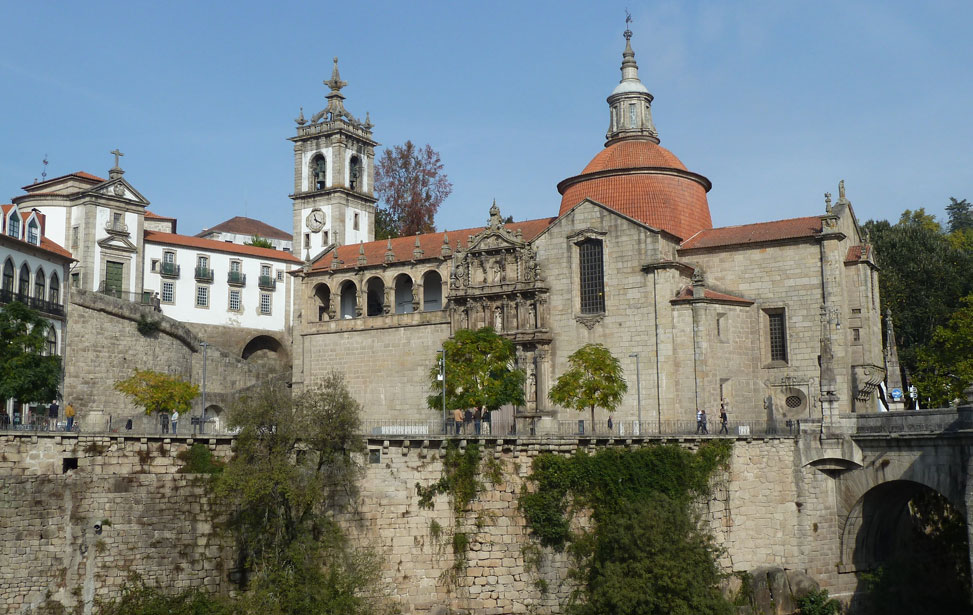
765, 511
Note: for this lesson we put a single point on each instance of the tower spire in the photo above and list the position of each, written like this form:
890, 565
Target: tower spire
630, 102
336, 106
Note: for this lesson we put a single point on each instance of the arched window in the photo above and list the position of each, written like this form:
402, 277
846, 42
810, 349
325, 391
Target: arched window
323, 294
24, 287
403, 294
432, 291
13, 226
319, 173
376, 297
354, 172
33, 236
54, 290
8, 276
349, 299
592, 276
51, 341
39, 280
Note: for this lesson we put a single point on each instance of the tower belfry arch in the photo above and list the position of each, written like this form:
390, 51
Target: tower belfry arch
334, 169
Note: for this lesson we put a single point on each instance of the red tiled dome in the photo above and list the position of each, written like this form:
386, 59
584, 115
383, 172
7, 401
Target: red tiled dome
642, 180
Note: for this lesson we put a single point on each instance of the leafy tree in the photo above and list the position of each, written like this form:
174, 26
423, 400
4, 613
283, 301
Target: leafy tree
158, 392
295, 465
945, 364
652, 558
479, 372
411, 183
924, 274
27, 373
594, 380
259, 242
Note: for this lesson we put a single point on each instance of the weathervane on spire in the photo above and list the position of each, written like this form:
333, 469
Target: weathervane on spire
628, 21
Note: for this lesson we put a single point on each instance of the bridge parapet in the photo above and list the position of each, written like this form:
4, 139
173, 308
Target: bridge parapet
918, 421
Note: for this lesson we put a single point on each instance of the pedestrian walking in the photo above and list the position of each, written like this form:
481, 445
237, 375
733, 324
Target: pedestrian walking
699, 421
611, 424
164, 422
174, 421
723, 418
703, 422
477, 420
69, 413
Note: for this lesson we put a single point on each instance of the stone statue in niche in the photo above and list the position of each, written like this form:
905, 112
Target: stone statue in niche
387, 301
497, 271
460, 273
498, 319
531, 387
415, 297
532, 316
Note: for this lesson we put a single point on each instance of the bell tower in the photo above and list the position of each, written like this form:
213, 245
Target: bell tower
334, 170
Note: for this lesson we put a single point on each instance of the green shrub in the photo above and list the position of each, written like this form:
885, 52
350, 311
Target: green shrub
818, 603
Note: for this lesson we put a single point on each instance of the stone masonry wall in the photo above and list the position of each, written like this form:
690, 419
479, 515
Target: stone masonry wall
104, 331
152, 520
766, 510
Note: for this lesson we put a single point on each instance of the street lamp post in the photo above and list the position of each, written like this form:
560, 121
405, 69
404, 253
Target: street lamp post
442, 378
202, 421
638, 390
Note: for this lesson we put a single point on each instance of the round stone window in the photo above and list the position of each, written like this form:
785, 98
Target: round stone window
793, 401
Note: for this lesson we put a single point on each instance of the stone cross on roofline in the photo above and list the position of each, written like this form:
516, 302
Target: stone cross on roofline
116, 171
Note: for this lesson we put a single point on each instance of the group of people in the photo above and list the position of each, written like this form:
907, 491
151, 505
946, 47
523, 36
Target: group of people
462, 421
702, 424
38, 420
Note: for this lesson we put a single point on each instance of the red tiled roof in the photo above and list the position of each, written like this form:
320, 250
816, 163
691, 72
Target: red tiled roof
173, 239
149, 214
858, 253
687, 293
80, 174
431, 244
646, 182
633, 153
50, 246
754, 233
247, 226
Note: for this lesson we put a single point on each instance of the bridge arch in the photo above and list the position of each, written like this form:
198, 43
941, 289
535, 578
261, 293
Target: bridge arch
881, 526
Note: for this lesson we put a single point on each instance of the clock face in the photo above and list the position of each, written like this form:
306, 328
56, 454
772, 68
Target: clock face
315, 220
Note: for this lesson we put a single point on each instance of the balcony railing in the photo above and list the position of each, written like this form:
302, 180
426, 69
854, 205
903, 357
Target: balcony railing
41, 305
267, 282
169, 270
119, 228
236, 278
204, 274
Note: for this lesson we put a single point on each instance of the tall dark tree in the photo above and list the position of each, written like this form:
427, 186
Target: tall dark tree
28, 372
411, 183
960, 215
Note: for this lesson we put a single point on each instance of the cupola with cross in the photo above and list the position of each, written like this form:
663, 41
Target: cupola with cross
334, 172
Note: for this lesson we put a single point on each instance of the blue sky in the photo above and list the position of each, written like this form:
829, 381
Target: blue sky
773, 101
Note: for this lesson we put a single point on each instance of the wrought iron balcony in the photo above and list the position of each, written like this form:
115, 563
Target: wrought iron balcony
169, 270
236, 278
204, 274
267, 282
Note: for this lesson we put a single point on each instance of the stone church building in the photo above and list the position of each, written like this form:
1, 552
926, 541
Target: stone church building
780, 318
